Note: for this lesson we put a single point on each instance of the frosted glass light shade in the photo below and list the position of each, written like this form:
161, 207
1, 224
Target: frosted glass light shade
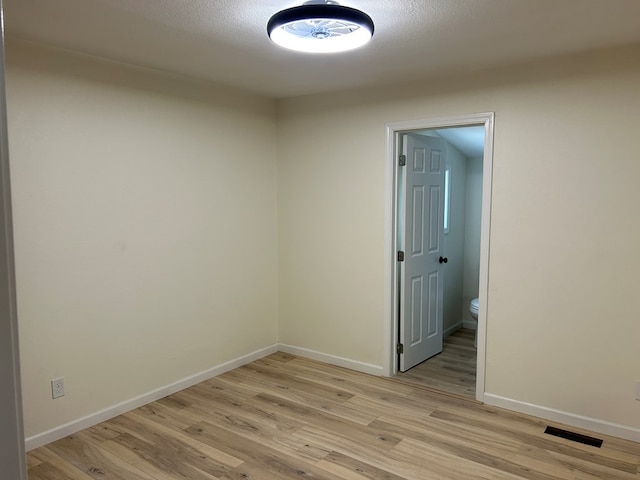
320, 28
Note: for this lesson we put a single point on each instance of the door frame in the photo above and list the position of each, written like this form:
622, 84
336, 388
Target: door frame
391, 270
12, 445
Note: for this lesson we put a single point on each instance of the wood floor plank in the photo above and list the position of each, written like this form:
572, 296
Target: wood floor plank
321, 419
375, 455
159, 431
497, 452
405, 460
349, 468
251, 421
179, 418
271, 433
32, 461
272, 461
282, 357
542, 459
173, 457
354, 382
334, 401
431, 430
448, 465
152, 440
94, 461
102, 432
286, 417
44, 455
536, 438
133, 458
46, 471
272, 379
251, 416
453, 370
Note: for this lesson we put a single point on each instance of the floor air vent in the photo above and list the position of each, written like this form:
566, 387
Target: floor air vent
574, 437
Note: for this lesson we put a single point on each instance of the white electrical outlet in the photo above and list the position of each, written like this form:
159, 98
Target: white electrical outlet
57, 387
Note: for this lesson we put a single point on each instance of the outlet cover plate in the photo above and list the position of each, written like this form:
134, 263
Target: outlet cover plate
57, 387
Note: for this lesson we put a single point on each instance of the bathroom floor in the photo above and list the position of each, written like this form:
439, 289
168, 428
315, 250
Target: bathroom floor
453, 370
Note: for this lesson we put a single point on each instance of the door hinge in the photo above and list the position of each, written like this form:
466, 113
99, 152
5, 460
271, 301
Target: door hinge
400, 348
402, 160
400, 256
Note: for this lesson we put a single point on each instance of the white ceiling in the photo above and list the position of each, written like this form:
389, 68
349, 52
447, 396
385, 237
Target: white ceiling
225, 41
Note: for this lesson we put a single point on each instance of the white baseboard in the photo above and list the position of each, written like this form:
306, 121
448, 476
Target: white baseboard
593, 424
453, 329
332, 359
470, 324
572, 419
90, 420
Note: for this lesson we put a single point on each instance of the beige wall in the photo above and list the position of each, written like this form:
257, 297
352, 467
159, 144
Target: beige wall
145, 228
148, 223
564, 267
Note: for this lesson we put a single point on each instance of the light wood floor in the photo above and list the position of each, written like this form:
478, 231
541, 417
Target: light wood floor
453, 370
285, 417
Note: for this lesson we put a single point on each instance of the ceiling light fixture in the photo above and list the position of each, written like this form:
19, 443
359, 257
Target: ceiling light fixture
320, 26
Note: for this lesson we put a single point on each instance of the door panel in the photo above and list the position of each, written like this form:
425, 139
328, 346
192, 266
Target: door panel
417, 244
421, 278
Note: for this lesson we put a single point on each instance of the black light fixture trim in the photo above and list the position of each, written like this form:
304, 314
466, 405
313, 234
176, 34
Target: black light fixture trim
320, 11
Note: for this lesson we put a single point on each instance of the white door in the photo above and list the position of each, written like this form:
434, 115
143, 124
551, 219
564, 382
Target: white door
421, 238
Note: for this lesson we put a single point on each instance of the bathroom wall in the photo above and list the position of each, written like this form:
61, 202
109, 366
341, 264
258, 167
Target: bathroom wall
454, 247
473, 219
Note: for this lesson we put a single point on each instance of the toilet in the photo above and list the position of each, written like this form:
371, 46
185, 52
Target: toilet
473, 311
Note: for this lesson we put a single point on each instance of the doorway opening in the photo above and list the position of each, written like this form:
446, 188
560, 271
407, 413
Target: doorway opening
438, 243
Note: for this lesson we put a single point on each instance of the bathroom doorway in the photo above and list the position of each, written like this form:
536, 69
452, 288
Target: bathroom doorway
451, 227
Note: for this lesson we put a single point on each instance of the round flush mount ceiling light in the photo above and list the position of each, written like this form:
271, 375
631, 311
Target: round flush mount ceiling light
320, 27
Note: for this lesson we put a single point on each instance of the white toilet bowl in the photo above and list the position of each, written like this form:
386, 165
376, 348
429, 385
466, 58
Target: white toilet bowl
473, 311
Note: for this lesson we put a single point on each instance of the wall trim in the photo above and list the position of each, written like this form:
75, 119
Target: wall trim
74, 426
332, 359
571, 419
470, 324
390, 322
453, 328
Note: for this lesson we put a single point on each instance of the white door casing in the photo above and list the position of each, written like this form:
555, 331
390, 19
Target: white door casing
12, 447
392, 268
421, 235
